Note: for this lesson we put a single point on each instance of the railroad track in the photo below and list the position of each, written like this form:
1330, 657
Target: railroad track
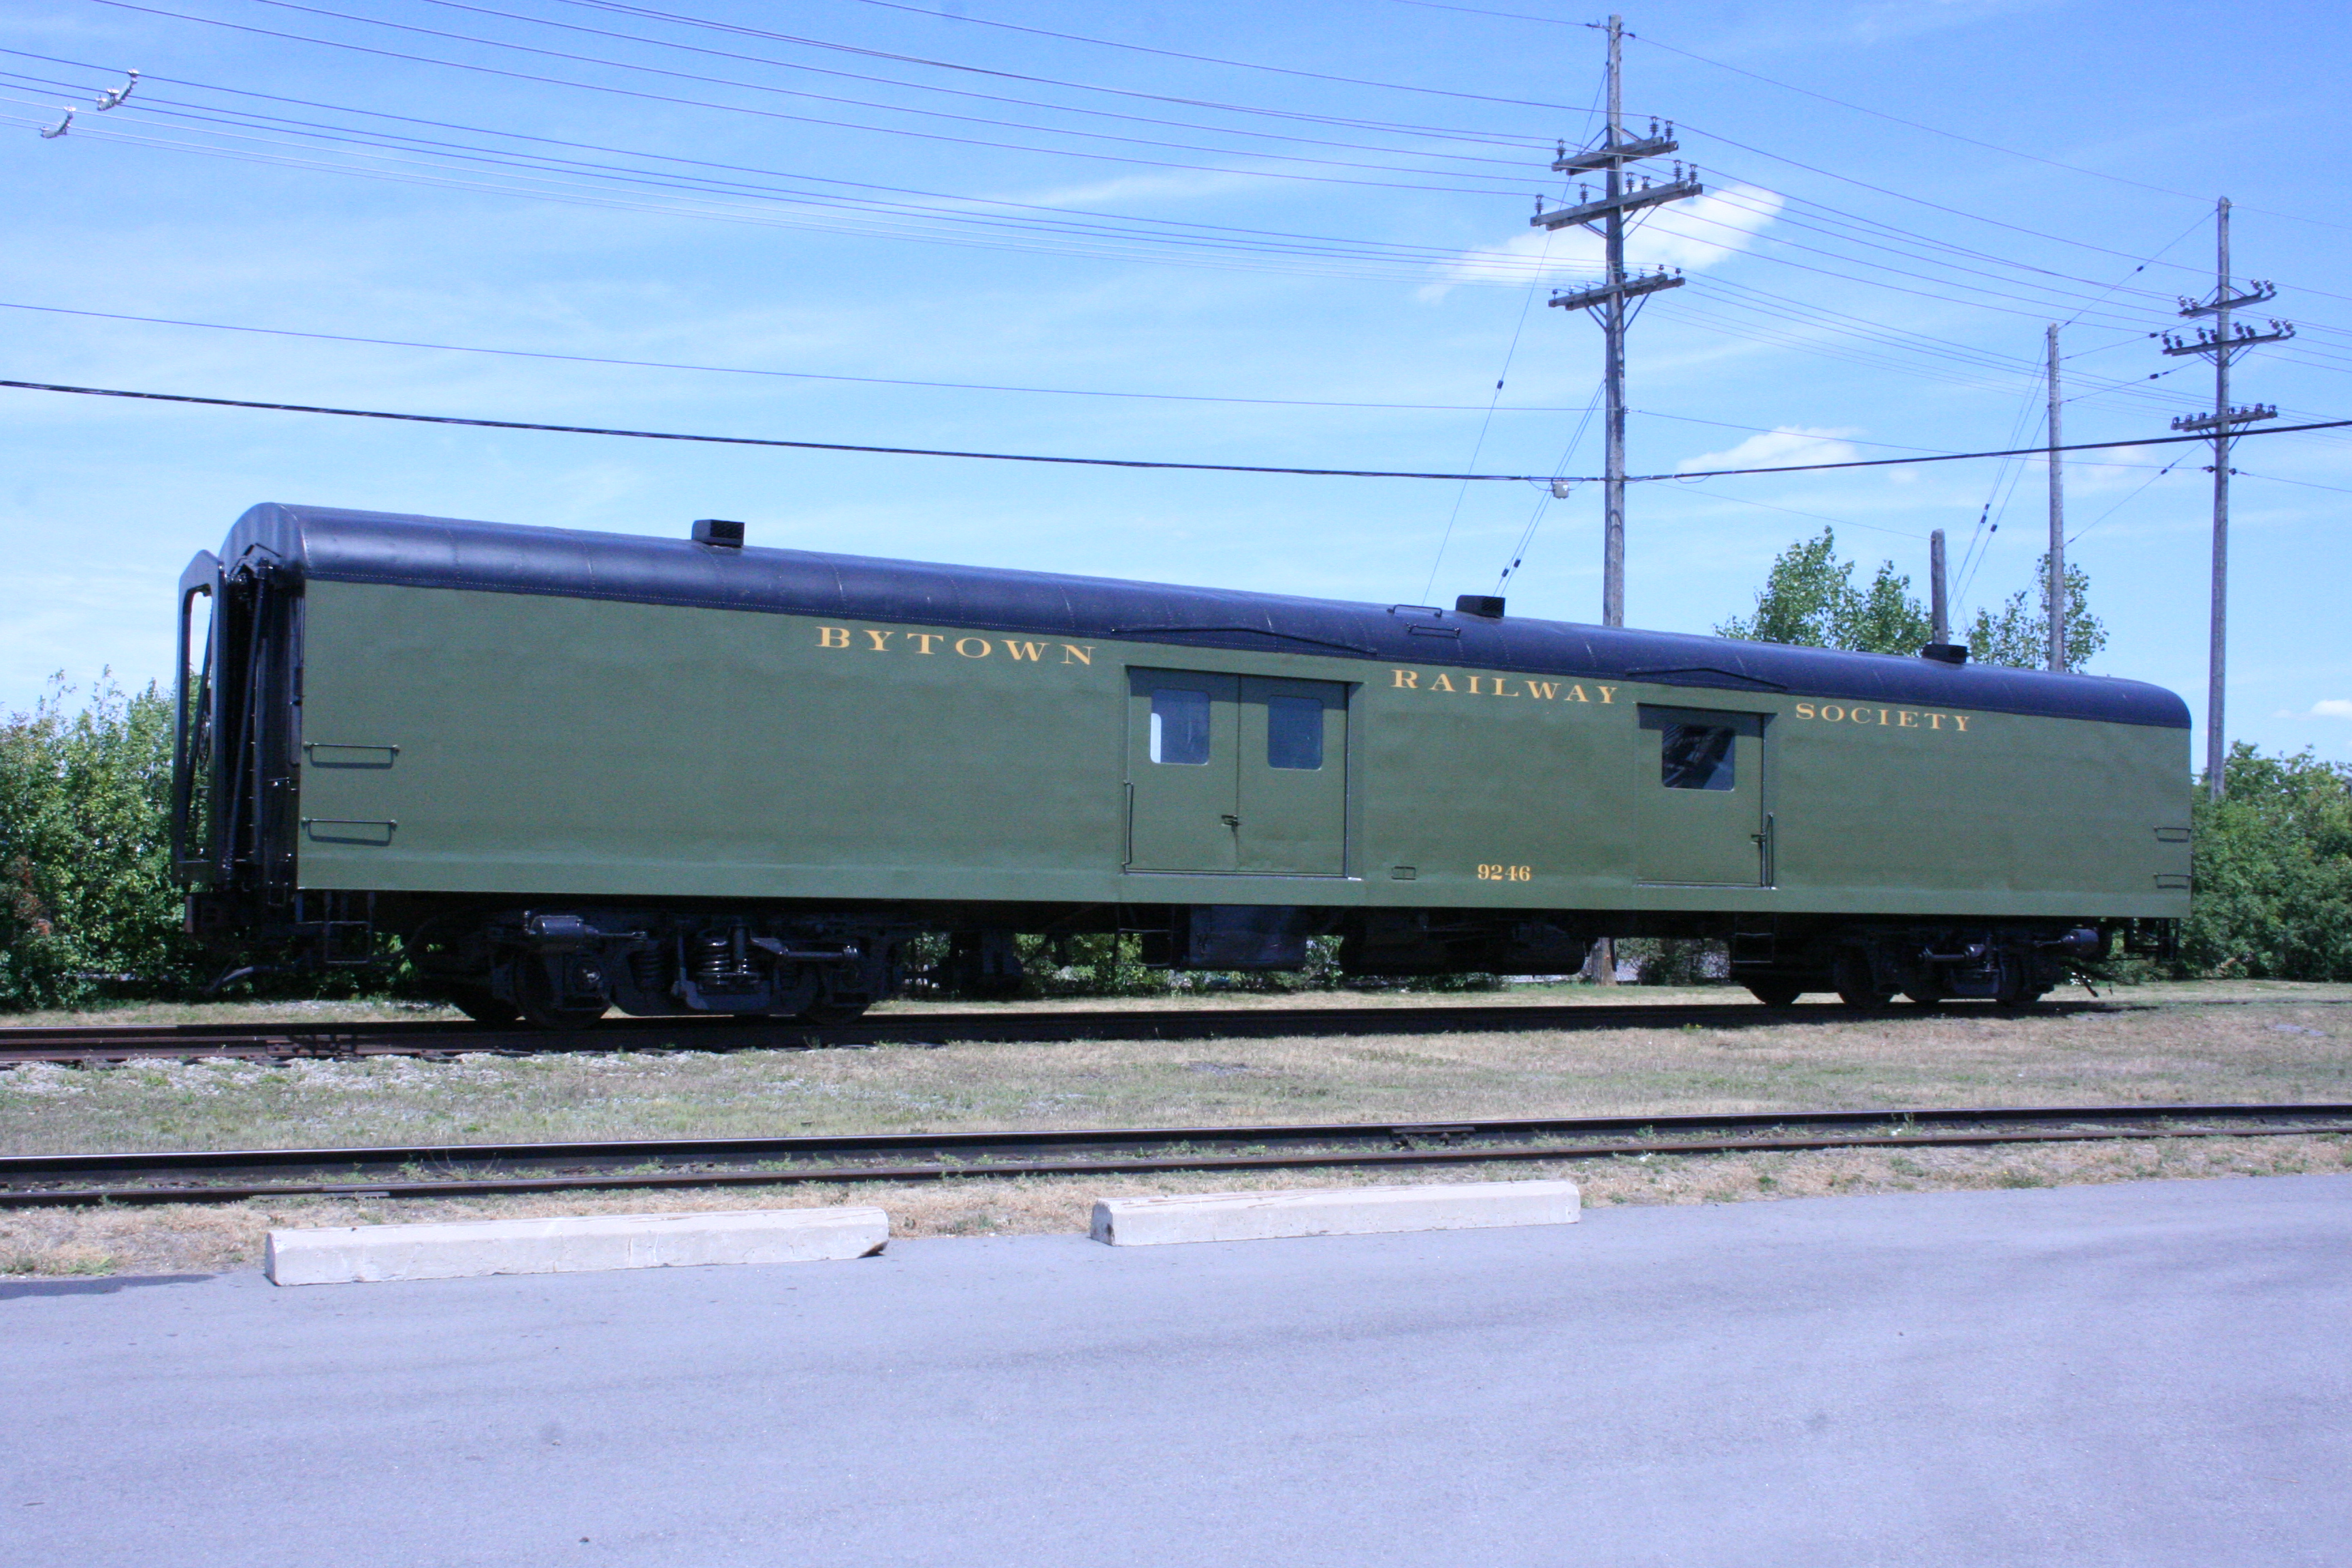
475, 1170
286, 1042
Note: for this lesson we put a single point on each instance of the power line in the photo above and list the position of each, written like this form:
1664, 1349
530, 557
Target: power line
832, 214
1818, 517
1955, 135
927, 12
786, 374
1556, 489
1784, 430
1123, 462
795, 92
998, 211
1959, 457
732, 109
1486, 138
2280, 479
1518, 329
2142, 489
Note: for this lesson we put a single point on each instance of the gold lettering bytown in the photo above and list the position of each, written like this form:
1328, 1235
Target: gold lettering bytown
1020, 651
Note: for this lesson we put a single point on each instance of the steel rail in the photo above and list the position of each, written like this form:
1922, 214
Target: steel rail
475, 1170
281, 1041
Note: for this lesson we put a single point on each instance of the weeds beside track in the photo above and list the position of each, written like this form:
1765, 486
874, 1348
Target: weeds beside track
463, 1170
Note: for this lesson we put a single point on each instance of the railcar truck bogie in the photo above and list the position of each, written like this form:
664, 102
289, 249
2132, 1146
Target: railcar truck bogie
565, 771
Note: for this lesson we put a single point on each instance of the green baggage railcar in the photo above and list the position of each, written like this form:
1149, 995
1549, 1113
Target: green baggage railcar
575, 771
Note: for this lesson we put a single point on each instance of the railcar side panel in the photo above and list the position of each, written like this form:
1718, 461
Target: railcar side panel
471, 742
584, 747
1981, 813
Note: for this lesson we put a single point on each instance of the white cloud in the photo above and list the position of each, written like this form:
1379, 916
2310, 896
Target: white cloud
1692, 236
1773, 448
2326, 707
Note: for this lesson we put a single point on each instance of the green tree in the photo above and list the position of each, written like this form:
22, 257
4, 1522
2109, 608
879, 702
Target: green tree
85, 885
2020, 640
1810, 598
2272, 871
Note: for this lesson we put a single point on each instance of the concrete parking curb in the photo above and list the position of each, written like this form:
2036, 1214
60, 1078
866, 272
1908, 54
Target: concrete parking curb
572, 1244
1336, 1211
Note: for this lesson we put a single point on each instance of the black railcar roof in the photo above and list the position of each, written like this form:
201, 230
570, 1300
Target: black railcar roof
335, 545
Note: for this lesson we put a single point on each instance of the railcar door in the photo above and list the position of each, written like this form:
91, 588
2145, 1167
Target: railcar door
1704, 819
1236, 773
1294, 776
1183, 764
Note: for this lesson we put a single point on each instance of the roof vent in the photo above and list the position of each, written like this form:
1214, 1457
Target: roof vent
718, 533
1486, 607
1946, 652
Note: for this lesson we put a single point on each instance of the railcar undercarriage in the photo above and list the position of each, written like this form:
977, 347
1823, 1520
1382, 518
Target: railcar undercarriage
565, 964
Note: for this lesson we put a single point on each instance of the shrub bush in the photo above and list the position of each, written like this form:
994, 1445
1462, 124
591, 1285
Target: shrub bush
89, 902
2273, 871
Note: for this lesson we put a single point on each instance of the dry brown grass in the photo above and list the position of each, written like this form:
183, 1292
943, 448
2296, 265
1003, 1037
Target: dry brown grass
2276, 1043
206, 1239
2288, 1049
1560, 995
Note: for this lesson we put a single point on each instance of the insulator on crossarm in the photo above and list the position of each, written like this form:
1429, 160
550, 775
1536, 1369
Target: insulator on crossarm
51, 133
115, 95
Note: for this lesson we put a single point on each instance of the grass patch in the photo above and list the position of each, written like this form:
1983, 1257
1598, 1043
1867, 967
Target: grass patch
2277, 1042
2286, 1046
200, 1238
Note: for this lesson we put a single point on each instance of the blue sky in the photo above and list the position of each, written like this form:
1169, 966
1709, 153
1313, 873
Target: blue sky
1289, 235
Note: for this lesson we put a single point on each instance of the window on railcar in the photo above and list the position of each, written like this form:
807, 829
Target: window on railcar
1180, 725
1697, 756
1294, 733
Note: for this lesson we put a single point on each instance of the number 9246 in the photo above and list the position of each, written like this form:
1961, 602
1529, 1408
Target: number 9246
1507, 873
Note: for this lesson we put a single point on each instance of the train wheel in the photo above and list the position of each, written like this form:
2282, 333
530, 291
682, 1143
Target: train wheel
1855, 985
2017, 989
1775, 993
477, 1004
535, 999
547, 1018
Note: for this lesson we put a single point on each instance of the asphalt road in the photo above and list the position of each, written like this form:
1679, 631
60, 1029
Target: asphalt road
2154, 1373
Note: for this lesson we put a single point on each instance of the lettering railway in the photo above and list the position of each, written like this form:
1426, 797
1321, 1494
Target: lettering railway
568, 772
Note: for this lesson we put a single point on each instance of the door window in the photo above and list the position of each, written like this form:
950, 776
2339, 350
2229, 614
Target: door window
1294, 733
1699, 756
1180, 725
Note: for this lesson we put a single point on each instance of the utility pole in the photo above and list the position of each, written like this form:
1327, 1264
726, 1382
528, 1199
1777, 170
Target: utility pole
1939, 604
2055, 586
1609, 301
2225, 342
